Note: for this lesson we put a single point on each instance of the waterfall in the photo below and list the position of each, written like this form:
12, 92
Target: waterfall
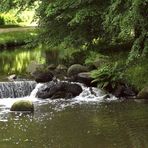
16, 89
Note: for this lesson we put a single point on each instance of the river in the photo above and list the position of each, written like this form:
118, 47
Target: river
87, 121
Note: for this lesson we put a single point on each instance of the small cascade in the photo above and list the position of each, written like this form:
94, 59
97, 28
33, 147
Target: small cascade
35, 90
10, 92
16, 89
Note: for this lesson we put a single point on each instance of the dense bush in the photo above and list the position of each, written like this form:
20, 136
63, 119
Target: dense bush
108, 76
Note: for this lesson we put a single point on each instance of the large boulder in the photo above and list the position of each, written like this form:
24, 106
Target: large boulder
61, 89
143, 94
75, 69
22, 105
42, 77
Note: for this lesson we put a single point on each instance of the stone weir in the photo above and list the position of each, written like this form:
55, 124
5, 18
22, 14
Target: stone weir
16, 89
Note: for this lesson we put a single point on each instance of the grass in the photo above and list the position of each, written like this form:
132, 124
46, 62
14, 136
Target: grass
16, 38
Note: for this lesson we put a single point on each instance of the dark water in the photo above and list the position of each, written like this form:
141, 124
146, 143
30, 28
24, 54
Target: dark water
60, 124
87, 125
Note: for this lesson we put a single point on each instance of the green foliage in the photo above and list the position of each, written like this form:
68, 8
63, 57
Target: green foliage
93, 56
76, 22
2, 21
23, 18
108, 76
128, 19
87, 23
137, 73
9, 18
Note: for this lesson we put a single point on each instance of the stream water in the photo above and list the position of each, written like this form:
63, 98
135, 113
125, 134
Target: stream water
86, 121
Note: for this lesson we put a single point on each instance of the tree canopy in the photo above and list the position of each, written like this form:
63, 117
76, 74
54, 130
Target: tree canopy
86, 22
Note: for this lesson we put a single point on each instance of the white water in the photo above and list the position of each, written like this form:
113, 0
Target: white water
88, 95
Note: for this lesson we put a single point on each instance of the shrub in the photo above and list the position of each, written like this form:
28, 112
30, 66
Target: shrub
108, 76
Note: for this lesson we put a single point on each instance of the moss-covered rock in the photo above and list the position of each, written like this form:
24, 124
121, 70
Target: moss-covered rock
22, 105
143, 94
76, 69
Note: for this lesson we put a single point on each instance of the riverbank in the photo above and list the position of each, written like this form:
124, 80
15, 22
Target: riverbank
11, 37
135, 75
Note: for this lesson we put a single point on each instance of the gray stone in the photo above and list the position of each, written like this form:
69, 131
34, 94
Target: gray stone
75, 69
42, 77
85, 77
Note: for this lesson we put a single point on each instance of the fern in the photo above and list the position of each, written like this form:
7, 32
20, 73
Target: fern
110, 75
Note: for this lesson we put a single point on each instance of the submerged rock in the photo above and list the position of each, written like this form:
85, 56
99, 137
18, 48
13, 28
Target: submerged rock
143, 94
22, 105
61, 89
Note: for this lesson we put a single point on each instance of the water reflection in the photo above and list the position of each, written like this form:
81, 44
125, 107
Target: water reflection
17, 60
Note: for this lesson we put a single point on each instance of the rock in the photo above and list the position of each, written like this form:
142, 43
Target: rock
75, 69
51, 67
61, 71
61, 89
22, 105
107, 96
85, 77
124, 91
61, 67
42, 77
143, 94
12, 77
33, 66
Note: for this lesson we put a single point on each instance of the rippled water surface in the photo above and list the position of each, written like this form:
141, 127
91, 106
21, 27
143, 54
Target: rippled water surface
65, 124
